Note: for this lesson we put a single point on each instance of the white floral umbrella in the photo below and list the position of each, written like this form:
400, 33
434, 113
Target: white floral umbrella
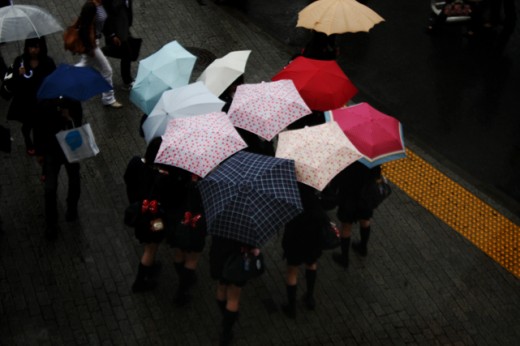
320, 153
199, 143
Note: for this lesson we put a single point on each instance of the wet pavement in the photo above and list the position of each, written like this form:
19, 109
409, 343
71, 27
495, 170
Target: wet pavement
455, 96
422, 283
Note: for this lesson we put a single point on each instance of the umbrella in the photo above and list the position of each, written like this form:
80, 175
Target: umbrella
379, 137
77, 83
192, 99
321, 83
221, 73
320, 153
337, 17
199, 143
20, 22
249, 197
168, 68
267, 108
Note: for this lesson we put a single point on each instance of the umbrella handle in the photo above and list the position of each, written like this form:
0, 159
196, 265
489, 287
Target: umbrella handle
25, 74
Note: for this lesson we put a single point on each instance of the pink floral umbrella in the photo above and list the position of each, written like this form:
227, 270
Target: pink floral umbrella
379, 137
267, 108
320, 153
199, 143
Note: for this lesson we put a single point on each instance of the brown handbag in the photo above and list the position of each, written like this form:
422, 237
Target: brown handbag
72, 41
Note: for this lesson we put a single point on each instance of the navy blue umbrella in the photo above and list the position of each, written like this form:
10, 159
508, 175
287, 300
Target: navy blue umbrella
77, 83
249, 197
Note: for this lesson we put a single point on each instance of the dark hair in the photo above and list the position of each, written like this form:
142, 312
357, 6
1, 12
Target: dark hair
35, 42
152, 150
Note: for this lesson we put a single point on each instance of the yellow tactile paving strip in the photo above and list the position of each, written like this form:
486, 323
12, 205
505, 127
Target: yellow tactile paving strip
485, 227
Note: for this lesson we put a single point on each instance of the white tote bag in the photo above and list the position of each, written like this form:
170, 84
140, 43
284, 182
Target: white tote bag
78, 143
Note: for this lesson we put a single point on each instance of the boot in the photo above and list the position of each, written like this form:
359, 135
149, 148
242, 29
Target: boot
228, 320
310, 279
342, 259
143, 282
361, 246
182, 298
221, 305
290, 308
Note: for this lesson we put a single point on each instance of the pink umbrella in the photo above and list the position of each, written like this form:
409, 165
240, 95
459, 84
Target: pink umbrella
267, 108
379, 137
199, 143
319, 152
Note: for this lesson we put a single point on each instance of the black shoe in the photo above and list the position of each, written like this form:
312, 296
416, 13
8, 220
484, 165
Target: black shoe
71, 214
289, 311
140, 286
339, 259
51, 232
309, 302
359, 248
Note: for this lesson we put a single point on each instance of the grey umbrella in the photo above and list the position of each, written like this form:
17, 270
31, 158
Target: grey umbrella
20, 22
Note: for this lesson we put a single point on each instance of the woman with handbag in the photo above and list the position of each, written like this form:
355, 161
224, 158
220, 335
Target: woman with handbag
155, 193
352, 207
91, 22
23, 80
54, 116
302, 245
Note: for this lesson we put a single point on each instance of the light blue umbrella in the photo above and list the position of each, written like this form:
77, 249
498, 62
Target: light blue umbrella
168, 68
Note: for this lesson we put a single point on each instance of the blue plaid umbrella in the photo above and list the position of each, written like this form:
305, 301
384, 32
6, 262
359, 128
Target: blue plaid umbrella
250, 197
73, 82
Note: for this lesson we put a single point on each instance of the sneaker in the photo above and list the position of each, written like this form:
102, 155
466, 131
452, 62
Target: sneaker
127, 87
115, 105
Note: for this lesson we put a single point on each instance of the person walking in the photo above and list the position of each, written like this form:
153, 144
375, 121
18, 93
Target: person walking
228, 292
92, 19
189, 236
117, 32
156, 193
23, 80
350, 184
53, 116
302, 245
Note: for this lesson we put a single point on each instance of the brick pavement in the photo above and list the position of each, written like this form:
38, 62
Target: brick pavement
421, 284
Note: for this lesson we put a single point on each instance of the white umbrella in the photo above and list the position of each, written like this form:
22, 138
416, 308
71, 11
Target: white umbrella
20, 22
221, 73
192, 99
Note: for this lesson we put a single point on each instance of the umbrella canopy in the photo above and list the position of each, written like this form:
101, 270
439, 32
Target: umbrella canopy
379, 137
192, 99
337, 17
20, 22
77, 83
267, 108
168, 68
199, 143
249, 197
320, 153
321, 83
221, 73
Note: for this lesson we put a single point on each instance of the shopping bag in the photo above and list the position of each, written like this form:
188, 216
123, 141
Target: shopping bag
78, 143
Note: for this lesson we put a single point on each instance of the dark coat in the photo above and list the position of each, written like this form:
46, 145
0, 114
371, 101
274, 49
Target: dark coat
50, 121
147, 182
23, 106
303, 237
119, 19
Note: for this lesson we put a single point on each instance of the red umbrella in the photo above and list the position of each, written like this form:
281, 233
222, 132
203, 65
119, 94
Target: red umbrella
321, 83
379, 137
